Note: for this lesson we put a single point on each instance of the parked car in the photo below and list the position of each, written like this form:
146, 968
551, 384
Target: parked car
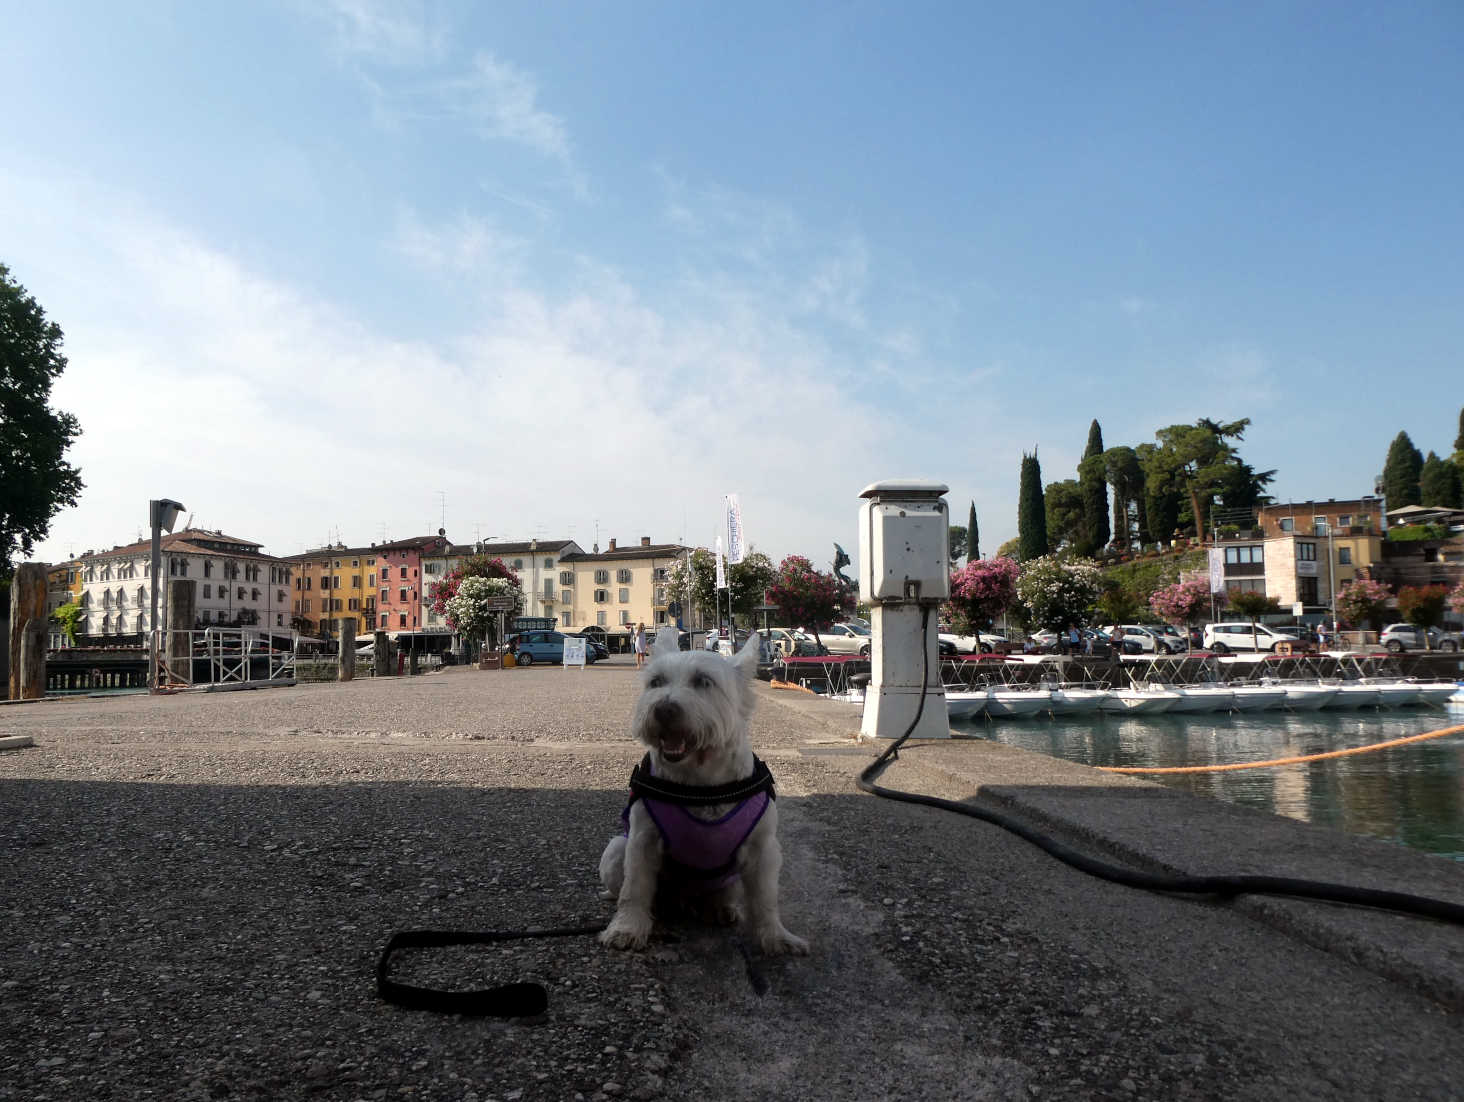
1177, 641
1400, 637
847, 638
1236, 635
545, 646
593, 644
984, 643
788, 641
1151, 640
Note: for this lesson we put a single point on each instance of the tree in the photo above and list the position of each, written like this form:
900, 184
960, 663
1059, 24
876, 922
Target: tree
1065, 518
1182, 603
441, 594
980, 592
1423, 607
1456, 597
1031, 511
67, 617
1191, 466
973, 536
747, 580
806, 597
957, 535
1253, 604
1058, 592
36, 482
1010, 549
1401, 471
1122, 471
1116, 604
1438, 483
1096, 532
1363, 602
467, 611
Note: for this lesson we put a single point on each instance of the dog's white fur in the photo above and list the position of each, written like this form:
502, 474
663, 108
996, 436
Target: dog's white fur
693, 714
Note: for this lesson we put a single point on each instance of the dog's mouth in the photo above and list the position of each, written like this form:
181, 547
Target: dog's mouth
674, 746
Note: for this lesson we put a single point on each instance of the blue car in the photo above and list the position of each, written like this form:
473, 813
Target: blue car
545, 646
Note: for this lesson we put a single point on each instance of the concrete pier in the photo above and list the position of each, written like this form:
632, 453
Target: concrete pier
197, 887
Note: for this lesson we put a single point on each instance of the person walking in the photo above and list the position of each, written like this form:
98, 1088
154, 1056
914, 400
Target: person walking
640, 645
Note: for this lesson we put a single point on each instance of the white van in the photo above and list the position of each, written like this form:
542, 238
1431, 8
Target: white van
1223, 638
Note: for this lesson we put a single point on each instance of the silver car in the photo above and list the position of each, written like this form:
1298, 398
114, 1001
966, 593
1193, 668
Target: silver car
1400, 637
847, 639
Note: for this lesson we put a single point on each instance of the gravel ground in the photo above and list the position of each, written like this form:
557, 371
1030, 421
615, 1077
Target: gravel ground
196, 888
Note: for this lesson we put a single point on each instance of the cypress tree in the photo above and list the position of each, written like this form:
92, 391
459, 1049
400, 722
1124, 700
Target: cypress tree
1400, 473
1459, 440
1438, 483
1094, 487
973, 540
1031, 511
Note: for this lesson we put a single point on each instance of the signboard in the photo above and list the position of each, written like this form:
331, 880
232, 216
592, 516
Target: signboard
1217, 570
1306, 568
498, 604
1298, 609
574, 651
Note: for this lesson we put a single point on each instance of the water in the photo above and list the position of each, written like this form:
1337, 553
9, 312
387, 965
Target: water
1412, 795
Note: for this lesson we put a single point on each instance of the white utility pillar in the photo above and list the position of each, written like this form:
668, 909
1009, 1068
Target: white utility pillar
904, 570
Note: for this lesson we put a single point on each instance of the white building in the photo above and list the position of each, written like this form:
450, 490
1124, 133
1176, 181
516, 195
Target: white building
236, 584
536, 562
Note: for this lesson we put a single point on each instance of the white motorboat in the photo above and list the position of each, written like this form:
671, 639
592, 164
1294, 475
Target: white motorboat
963, 704
1014, 703
1257, 698
1137, 701
1354, 694
1202, 698
1077, 702
1393, 693
1435, 692
1307, 696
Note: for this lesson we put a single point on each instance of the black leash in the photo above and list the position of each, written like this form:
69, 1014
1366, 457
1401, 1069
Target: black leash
510, 1000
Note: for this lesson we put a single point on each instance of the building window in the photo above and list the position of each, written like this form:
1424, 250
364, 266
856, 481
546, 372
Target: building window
307, 604
622, 576
403, 592
355, 581
1344, 556
1306, 552
1287, 524
1306, 591
566, 577
565, 620
383, 619
1365, 520
208, 591
355, 562
1344, 520
624, 617
602, 577
1245, 585
354, 605
660, 574
602, 596
600, 618
625, 596
1319, 526
548, 564
370, 581
518, 564
370, 562
1236, 555
567, 596
403, 617
207, 568
403, 569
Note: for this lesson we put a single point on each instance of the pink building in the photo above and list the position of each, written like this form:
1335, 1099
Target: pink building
400, 589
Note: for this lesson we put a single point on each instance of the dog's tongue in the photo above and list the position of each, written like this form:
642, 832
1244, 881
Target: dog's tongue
673, 746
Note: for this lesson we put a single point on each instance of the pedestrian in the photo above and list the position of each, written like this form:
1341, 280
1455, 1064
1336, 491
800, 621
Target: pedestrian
1074, 639
712, 639
640, 645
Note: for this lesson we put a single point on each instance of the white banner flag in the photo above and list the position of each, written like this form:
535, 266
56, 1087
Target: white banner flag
1217, 570
736, 550
721, 566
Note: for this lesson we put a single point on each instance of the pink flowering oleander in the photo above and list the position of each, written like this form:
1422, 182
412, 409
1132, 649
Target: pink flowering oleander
1361, 600
1182, 602
1456, 599
981, 591
806, 596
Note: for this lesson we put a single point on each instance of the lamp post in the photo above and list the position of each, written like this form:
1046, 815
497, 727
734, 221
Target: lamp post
161, 513
1332, 579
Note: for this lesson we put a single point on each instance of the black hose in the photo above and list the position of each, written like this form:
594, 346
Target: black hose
1224, 886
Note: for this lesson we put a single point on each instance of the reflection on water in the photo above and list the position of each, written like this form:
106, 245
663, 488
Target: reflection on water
1413, 795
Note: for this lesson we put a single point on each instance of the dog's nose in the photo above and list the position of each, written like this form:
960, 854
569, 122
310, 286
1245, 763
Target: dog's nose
666, 713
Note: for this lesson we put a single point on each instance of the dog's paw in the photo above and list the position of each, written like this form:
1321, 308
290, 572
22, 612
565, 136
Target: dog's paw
780, 942
625, 934
725, 914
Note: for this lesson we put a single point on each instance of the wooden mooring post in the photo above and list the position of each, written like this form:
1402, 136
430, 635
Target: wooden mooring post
383, 654
346, 659
27, 681
182, 604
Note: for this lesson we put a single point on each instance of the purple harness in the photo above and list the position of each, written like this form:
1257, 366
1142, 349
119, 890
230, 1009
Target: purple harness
701, 852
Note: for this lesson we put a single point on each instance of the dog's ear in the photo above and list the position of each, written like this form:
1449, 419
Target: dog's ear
746, 659
668, 641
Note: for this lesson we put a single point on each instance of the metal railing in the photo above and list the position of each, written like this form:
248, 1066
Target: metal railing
221, 656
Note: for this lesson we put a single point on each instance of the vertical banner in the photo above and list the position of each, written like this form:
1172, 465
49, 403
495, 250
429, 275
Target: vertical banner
736, 550
1217, 570
721, 566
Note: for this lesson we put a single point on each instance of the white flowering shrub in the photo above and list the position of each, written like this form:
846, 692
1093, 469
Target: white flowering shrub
1057, 592
467, 611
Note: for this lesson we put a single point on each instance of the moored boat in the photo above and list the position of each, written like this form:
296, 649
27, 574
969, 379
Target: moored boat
1202, 698
1258, 698
964, 704
1014, 703
1393, 693
1068, 701
1137, 701
1305, 697
1354, 694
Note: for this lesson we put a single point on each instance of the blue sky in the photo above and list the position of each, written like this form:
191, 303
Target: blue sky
580, 269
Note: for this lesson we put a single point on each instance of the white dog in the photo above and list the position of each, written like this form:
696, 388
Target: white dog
720, 858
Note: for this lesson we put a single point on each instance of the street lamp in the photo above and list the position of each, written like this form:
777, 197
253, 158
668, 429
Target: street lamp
161, 513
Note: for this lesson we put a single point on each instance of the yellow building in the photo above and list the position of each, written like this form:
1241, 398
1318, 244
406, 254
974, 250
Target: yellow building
1349, 533
617, 588
334, 585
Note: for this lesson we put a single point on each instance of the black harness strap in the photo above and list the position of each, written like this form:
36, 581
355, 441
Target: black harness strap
510, 1000
643, 783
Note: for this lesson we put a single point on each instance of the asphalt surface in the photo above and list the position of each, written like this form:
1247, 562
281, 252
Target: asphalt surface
195, 889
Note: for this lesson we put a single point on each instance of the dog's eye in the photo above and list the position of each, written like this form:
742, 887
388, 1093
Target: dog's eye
701, 681
656, 682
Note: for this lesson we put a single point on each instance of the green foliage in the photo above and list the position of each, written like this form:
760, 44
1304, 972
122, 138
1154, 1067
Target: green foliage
67, 617
806, 597
957, 536
35, 480
1253, 605
1459, 440
1031, 511
1096, 531
1058, 592
1422, 605
1438, 483
1123, 472
1410, 533
1401, 472
1009, 549
747, 580
973, 536
1066, 526
1141, 577
1116, 605
1193, 465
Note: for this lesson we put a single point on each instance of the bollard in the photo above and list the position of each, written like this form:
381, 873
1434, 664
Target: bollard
346, 659
182, 593
383, 654
27, 602
33, 660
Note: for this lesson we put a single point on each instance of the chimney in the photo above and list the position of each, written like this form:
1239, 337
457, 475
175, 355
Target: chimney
645, 541
612, 543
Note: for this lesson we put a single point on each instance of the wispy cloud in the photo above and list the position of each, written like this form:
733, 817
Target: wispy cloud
466, 244
384, 34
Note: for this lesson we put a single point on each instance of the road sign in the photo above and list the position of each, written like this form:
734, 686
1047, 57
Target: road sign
498, 604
